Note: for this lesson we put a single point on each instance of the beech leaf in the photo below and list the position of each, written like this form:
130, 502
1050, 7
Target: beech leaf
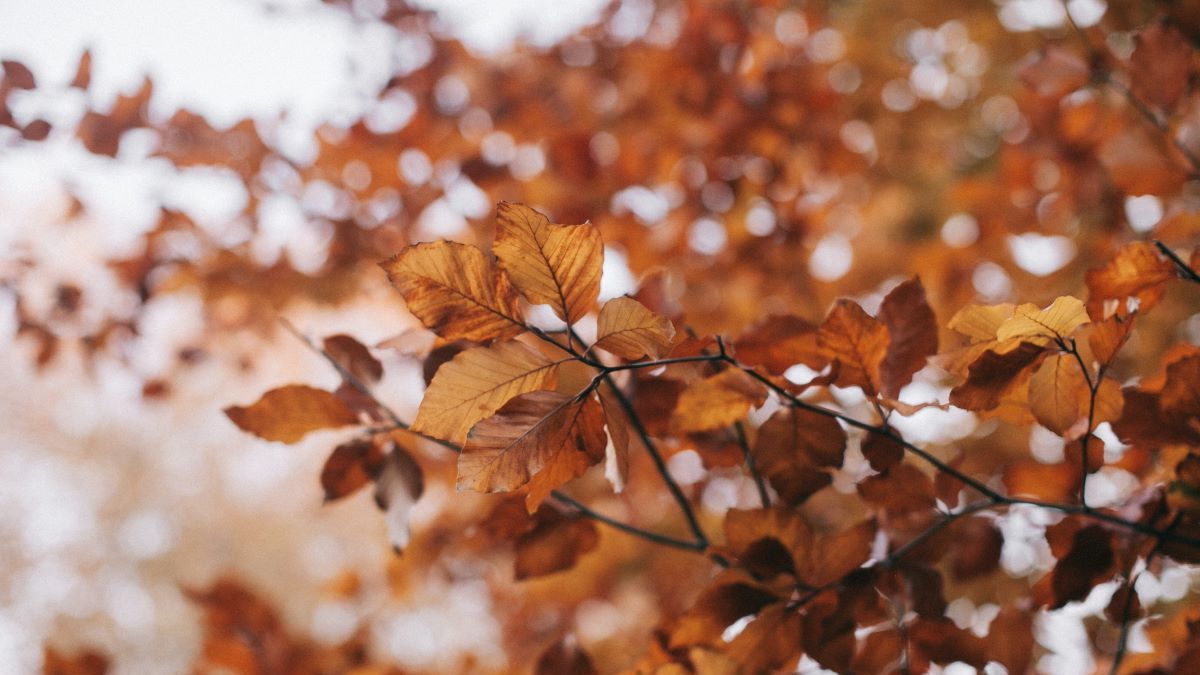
289, 413
628, 329
455, 291
859, 342
913, 329
556, 265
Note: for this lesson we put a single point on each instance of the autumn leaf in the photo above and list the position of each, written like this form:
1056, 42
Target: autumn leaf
859, 342
792, 449
289, 413
731, 596
1059, 396
542, 438
564, 657
616, 420
913, 332
475, 383
772, 640
352, 465
1030, 324
1137, 271
779, 342
554, 544
981, 322
1162, 62
626, 328
556, 265
717, 401
455, 291
992, 375
354, 357
817, 558
398, 487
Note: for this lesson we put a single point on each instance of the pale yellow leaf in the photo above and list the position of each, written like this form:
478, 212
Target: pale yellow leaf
628, 329
455, 291
981, 322
1030, 324
556, 265
476, 382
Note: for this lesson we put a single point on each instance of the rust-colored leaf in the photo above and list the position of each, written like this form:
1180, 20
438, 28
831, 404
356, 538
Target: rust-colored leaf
351, 466
717, 401
1137, 271
455, 291
730, 597
86, 662
779, 342
553, 545
354, 356
556, 265
564, 657
626, 328
772, 640
991, 376
289, 413
793, 447
858, 342
475, 383
543, 438
1161, 63
913, 330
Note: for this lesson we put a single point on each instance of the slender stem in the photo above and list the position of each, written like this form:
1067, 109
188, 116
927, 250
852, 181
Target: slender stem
895, 556
763, 496
1185, 270
662, 362
1093, 389
663, 539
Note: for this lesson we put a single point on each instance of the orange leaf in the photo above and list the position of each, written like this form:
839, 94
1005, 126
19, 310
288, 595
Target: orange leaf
914, 334
354, 357
556, 265
991, 376
289, 413
475, 383
1161, 65
626, 328
717, 401
779, 342
351, 466
858, 341
1137, 271
793, 447
543, 438
455, 291
553, 545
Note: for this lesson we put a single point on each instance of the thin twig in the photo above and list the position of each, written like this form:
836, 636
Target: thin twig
1185, 270
763, 496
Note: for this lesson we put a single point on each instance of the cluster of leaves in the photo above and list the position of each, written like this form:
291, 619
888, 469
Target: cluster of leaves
527, 411
851, 567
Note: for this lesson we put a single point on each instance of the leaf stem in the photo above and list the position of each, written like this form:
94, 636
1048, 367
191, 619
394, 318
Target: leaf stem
763, 496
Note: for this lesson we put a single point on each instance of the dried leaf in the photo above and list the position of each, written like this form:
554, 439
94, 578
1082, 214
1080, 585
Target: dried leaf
981, 322
717, 401
353, 356
793, 447
616, 420
914, 334
556, 265
730, 597
1137, 271
399, 486
1161, 64
858, 342
554, 544
351, 466
992, 375
772, 640
626, 328
564, 657
1030, 324
475, 383
543, 438
455, 291
779, 342
289, 413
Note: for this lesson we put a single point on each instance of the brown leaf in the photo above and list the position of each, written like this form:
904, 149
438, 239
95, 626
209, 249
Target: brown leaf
351, 466
1137, 271
1052, 482
101, 133
730, 597
772, 640
556, 265
881, 451
398, 487
1059, 396
818, 558
455, 291
779, 342
914, 334
992, 375
83, 72
717, 401
940, 641
1160, 65
792, 448
289, 413
1054, 72
1107, 337
543, 438
626, 328
858, 342
554, 544
621, 433
1088, 563
354, 356
17, 75
475, 383
975, 550
902, 490
86, 662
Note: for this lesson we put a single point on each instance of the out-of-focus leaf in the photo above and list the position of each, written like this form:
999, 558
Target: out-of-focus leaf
793, 447
717, 401
730, 597
772, 640
455, 291
914, 334
475, 383
779, 342
859, 342
626, 328
289, 413
1161, 64
543, 438
1137, 271
398, 487
351, 466
564, 657
556, 265
1054, 72
554, 544
354, 356
86, 662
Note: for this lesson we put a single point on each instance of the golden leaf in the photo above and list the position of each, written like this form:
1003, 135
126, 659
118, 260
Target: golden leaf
475, 383
858, 341
455, 291
717, 401
981, 322
1030, 324
556, 265
288, 413
543, 438
626, 328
